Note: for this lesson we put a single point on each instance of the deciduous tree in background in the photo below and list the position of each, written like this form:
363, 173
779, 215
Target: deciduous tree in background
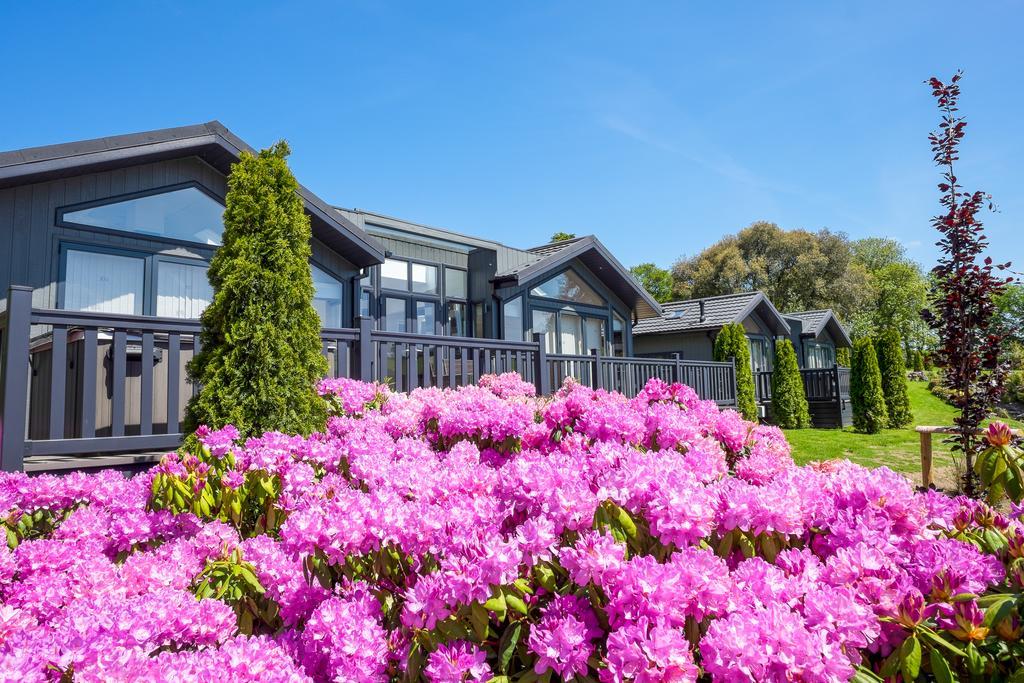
893, 369
657, 281
731, 342
797, 269
563, 236
261, 353
1010, 312
965, 291
789, 402
866, 396
898, 290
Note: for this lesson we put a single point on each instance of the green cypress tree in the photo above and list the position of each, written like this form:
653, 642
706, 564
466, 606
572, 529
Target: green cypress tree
789, 402
893, 369
843, 356
261, 354
866, 395
731, 342
918, 361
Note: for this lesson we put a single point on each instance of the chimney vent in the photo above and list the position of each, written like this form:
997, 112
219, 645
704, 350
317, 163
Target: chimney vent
702, 316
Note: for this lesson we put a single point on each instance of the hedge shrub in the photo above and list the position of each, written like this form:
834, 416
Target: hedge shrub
732, 342
869, 412
261, 356
918, 361
843, 356
892, 367
789, 403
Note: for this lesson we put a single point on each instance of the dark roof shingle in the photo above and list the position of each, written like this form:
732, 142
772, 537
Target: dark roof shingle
682, 316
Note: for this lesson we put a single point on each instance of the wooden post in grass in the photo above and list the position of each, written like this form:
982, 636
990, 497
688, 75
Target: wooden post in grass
925, 433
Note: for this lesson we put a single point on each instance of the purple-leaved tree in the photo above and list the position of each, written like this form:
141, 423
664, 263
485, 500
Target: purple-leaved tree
962, 298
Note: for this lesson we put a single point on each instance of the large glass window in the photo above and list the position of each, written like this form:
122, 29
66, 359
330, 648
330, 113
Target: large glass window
394, 315
571, 333
761, 354
618, 335
568, 286
456, 319
184, 214
593, 335
327, 298
424, 279
394, 274
182, 290
425, 313
543, 322
105, 283
455, 285
820, 355
512, 319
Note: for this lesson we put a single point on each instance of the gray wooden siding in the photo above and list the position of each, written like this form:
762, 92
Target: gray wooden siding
689, 345
410, 249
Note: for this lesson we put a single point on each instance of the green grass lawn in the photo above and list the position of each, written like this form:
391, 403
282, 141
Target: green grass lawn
897, 449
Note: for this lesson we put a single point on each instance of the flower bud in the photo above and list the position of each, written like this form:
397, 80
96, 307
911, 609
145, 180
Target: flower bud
999, 434
1010, 628
965, 622
911, 611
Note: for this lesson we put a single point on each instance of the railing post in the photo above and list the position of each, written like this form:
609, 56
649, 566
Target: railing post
677, 370
364, 349
597, 380
14, 392
542, 377
735, 386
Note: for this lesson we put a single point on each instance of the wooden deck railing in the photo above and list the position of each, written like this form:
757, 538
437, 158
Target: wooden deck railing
80, 383
820, 384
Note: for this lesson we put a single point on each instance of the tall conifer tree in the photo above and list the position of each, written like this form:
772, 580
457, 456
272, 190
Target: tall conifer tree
261, 351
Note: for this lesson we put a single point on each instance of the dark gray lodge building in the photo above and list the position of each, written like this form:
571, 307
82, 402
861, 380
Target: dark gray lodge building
103, 252
689, 328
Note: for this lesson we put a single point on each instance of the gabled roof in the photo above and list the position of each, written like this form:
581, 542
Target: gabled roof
547, 258
815, 322
711, 313
210, 141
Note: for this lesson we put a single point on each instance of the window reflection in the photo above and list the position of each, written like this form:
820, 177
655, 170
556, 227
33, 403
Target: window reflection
327, 297
568, 286
186, 214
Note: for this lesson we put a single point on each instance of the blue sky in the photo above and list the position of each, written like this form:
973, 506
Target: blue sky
660, 127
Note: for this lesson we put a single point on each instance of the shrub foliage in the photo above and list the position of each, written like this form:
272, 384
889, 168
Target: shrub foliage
893, 369
261, 356
789, 402
869, 412
732, 342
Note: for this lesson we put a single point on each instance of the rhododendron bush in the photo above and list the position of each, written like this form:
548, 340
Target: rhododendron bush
487, 534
